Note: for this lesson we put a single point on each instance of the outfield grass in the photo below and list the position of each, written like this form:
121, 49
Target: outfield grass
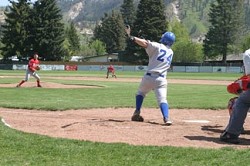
112, 94
124, 74
18, 148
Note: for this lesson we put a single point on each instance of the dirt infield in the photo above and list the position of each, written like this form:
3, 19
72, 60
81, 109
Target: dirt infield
191, 127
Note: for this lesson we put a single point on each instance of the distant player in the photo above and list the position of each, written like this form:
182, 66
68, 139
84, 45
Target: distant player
160, 58
111, 70
33, 66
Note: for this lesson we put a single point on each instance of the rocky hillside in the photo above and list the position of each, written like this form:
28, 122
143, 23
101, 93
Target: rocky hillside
192, 13
85, 13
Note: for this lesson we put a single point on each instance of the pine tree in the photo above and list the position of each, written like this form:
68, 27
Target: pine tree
111, 32
226, 20
48, 30
150, 20
128, 12
16, 32
73, 38
150, 23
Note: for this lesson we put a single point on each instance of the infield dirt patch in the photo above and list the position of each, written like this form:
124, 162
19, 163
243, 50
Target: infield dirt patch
191, 127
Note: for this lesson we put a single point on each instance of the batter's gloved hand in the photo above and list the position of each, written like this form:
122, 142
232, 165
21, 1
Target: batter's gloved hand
230, 104
38, 68
128, 31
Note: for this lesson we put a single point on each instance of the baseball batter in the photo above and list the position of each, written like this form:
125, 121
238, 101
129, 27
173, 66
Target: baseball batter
160, 58
33, 66
241, 106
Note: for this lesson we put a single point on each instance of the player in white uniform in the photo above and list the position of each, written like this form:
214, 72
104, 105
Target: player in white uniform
160, 58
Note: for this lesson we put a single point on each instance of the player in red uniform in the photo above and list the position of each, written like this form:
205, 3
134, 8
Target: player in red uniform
31, 70
111, 69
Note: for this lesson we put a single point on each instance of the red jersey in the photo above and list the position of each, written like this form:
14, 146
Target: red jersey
111, 68
33, 63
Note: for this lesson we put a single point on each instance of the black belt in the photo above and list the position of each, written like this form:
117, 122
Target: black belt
150, 74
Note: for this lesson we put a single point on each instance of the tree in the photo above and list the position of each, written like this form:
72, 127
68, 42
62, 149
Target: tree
86, 51
246, 43
150, 20
48, 34
247, 14
98, 46
185, 50
150, 23
128, 12
73, 39
226, 20
111, 32
33, 28
16, 32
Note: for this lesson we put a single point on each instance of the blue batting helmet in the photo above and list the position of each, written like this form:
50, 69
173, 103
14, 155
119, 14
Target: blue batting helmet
168, 38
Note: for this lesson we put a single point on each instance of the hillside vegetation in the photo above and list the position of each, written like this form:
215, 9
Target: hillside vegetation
192, 13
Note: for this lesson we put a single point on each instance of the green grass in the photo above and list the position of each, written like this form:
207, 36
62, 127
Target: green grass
125, 74
18, 148
205, 76
73, 73
112, 95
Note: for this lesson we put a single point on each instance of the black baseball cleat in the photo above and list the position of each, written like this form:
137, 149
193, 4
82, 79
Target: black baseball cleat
243, 131
229, 138
137, 118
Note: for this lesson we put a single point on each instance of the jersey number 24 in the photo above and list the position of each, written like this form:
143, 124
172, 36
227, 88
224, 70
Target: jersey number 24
163, 54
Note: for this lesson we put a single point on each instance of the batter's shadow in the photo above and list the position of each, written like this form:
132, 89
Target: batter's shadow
149, 122
112, 120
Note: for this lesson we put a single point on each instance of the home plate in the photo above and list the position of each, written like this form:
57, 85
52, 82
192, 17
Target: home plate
196, 121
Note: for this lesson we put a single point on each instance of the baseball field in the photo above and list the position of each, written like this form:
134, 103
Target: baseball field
82, 118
